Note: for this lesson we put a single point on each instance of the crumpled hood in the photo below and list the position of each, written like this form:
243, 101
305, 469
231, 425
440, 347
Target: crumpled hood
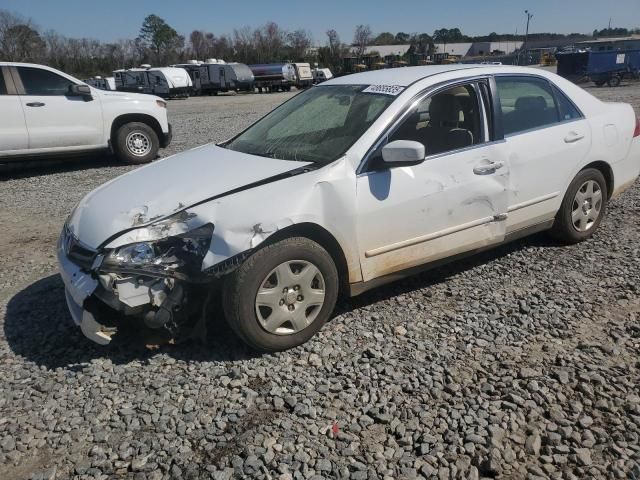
166, 186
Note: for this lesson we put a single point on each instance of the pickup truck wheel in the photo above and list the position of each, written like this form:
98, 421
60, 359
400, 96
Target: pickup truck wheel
282, 295
136, 143
583, 207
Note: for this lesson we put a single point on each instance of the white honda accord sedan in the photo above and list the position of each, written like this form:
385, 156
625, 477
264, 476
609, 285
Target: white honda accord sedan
347, 185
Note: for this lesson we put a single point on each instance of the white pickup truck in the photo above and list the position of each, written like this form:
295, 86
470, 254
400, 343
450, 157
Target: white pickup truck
47, 112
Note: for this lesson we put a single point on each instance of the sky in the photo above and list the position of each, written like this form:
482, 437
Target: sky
114, 19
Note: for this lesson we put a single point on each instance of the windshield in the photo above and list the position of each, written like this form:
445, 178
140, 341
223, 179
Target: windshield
318, 125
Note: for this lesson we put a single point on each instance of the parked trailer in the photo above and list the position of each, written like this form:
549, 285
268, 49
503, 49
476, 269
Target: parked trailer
600, 67
166, 82
304, 76
226, 77
321, 75
102, 83
194, 70
274, 76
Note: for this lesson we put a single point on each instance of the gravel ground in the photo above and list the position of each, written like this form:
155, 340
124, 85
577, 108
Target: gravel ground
522, 362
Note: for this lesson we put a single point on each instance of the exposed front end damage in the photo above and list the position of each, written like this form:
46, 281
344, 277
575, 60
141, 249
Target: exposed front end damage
135, 251
158, 281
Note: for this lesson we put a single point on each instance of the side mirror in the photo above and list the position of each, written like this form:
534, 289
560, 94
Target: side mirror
403, 152
80, 90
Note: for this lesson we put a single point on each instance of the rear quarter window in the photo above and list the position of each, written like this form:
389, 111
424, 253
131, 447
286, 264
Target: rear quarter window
568, 111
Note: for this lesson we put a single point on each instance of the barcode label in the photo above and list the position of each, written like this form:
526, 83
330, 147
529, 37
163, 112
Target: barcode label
393, 90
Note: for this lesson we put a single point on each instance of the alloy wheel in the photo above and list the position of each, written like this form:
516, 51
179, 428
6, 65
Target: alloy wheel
587, 205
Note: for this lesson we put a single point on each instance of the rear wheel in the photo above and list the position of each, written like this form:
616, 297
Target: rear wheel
583, 207
136, 143
282, 295
614, 81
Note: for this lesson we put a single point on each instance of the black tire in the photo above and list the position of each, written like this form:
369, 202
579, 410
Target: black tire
126, 152
564, 228
600, 83
614, 81
241, 288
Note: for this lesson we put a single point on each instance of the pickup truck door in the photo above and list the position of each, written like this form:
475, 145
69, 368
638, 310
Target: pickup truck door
13, 128
54, 118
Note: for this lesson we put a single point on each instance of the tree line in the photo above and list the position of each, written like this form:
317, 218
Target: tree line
160, 44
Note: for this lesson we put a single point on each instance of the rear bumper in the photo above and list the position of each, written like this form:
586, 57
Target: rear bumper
626, 172
166, 137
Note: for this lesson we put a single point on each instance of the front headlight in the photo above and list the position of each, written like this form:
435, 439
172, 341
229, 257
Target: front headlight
175, 256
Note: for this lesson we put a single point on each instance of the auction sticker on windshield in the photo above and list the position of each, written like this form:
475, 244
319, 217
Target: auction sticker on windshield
393, 90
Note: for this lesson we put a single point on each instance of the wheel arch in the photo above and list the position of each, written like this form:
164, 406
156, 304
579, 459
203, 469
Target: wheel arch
607, 173
135, 117
325, 239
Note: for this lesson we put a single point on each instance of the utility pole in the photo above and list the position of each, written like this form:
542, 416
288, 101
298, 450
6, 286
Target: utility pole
526, 54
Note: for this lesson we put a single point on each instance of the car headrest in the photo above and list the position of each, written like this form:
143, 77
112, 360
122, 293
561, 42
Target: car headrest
444, 110
531, 103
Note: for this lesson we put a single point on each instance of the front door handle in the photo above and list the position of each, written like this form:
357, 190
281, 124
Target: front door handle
487, 168
573, 137
35, 104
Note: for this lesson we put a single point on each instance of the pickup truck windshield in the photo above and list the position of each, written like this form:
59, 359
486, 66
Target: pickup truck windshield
318, 125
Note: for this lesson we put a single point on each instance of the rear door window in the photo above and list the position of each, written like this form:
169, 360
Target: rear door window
527, 103
37, 81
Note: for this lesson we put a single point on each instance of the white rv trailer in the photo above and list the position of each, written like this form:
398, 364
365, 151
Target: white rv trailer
166, 82
304, 77
321, 75
194, 69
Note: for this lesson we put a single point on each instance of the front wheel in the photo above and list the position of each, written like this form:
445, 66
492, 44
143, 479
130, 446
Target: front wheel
583, 207
136, 143
282, 295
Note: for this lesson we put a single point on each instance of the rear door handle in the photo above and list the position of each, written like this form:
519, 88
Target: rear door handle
35, 104
573, 137
487, 168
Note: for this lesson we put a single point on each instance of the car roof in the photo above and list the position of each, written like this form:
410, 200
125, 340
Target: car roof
405, 76
402, 76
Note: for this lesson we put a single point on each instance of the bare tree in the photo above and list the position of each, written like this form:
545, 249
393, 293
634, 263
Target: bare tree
199, 43
22, 42
243, 42
269, 42
298, 42
362, 38
19, 39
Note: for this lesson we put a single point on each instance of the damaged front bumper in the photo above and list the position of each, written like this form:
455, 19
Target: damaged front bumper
78, 286
98, 299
